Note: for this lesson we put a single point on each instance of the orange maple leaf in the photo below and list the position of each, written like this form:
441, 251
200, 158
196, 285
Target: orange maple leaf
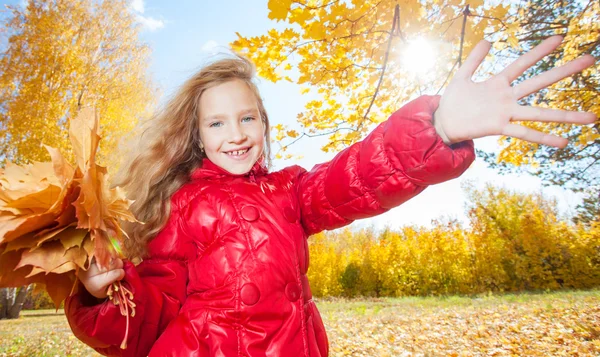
55, 217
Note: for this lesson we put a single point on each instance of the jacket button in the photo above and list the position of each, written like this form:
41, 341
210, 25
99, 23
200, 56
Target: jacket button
292, 292
290, 215
249, 294
249, 213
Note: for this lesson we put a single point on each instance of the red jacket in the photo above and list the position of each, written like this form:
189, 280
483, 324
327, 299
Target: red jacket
227, 274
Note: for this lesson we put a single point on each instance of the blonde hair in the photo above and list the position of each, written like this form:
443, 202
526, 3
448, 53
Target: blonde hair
169, 150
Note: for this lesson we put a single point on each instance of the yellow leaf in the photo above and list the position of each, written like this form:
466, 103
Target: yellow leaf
514, 42
315, 30
84, 138
278, 9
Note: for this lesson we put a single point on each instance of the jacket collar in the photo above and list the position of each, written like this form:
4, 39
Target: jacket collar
209, 170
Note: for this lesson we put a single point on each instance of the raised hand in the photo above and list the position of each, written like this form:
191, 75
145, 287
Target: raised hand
470, 110
97, 280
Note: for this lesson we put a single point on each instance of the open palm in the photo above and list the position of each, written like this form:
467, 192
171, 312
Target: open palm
470, 110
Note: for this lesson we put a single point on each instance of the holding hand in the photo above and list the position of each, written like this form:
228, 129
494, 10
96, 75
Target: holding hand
97, 280
470, 110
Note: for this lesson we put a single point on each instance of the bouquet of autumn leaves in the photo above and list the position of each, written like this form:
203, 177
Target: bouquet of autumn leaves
56, 218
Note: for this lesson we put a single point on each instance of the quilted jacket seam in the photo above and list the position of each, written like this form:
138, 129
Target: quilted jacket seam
394, 171
403, 170
298, 276
244, 230
365, 189
180, 221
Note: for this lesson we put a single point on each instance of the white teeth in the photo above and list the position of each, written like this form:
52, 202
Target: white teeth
238, 152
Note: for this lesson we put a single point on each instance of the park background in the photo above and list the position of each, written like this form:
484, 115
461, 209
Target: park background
496, 229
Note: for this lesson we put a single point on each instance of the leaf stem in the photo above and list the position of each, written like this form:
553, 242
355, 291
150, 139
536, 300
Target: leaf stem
124, 299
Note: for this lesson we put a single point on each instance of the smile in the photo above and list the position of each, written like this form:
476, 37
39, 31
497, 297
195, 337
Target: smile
237, 152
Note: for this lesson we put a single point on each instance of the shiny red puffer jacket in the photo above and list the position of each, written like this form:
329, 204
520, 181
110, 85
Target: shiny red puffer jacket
227, 274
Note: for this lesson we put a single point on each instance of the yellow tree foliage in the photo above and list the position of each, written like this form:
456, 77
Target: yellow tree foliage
519, 243
59, 56
326, 266
515, 242
337, 49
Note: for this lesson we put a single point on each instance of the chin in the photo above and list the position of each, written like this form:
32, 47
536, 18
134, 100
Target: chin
239, 169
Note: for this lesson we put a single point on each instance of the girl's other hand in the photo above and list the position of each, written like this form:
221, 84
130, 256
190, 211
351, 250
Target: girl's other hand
470, 110
97, 280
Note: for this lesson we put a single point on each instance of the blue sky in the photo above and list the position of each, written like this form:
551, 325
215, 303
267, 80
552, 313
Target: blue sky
184, 34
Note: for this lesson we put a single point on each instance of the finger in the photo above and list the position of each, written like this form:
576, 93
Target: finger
474, 59
527, 113
534, 136
99, 285
117, 264
515, 69
554, 75
113, 263
111, 276
103, 271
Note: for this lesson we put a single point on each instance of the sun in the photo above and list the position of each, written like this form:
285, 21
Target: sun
418, 56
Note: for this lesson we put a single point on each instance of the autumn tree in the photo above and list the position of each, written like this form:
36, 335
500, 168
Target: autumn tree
348, 56
11, 301
514, 242
59, 56
588, 211
577, 166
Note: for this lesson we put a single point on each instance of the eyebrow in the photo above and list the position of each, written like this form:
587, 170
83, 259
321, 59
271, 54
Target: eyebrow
222, 116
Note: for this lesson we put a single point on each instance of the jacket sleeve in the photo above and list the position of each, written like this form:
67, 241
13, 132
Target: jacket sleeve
394, 163
159, 288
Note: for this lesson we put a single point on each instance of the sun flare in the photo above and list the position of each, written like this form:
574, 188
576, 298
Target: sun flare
418, 56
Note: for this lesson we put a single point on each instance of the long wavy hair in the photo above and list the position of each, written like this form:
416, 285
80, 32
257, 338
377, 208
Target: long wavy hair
168, 150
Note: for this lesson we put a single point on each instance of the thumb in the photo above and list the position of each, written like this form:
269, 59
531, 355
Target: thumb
114, 275
98, 285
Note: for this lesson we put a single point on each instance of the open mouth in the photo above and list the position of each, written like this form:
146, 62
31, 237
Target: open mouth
237, 152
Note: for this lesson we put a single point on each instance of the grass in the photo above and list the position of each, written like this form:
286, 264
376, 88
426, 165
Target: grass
40, 333
526, 324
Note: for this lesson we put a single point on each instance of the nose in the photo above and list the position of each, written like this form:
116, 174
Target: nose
237, 134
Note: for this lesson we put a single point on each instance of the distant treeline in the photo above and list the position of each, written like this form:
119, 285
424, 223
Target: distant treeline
514, 242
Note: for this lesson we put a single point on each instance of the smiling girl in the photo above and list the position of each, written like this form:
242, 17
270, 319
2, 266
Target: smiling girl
224, 244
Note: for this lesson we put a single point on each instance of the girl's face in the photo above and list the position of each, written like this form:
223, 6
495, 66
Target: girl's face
231, 129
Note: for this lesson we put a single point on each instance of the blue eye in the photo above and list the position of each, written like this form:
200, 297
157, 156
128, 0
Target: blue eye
247, 119
216, 124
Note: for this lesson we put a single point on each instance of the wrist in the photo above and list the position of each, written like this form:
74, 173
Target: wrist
439, 129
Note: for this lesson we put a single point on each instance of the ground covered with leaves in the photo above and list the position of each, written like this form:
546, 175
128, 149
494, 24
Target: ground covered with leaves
555, 324
549, 324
